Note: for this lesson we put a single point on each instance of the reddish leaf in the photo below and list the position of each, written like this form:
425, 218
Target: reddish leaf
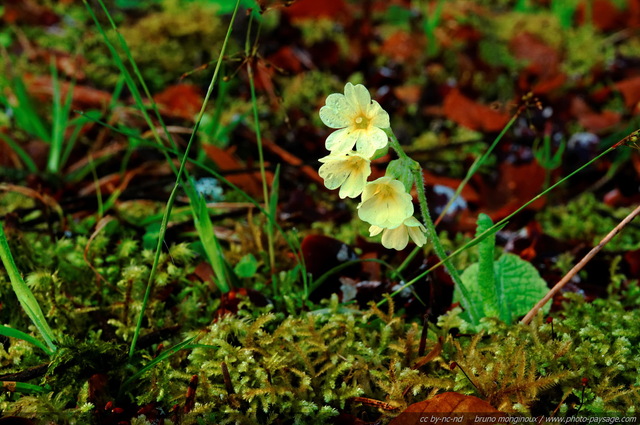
180, 101
516, 185
226, 160
28, 12
542, 59
630, 89
475, 116
409, 94
288, 59
403, 47
84, 97
593, 121
313, 9
450, 403
604, 15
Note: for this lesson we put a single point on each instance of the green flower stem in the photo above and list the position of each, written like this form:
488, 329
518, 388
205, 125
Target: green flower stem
432, 234
499, 224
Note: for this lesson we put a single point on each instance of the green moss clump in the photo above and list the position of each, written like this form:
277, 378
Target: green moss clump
587, 219
164, 45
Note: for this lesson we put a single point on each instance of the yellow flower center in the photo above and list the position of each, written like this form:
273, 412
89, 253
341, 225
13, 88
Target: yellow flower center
361, 122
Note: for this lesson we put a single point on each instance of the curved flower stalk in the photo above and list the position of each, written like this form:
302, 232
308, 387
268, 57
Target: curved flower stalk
359, 120
386, 203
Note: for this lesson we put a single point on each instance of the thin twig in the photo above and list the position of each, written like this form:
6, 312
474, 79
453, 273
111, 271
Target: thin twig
579, 266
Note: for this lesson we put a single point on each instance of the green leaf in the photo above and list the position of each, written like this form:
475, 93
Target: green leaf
247, 266
402, 169
518, 287
486, 276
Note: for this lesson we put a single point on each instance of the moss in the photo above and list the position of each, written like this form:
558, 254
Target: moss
588, 220
585, 49
177, 39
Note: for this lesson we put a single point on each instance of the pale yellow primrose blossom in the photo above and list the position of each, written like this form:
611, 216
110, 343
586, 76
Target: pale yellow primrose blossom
398, 238
359, 119
349, 171
385, 203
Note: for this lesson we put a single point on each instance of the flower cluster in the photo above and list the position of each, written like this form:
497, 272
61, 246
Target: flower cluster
361, 122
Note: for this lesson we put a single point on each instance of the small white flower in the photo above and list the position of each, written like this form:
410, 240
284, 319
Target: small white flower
359, 119
398, 237
349, 171
385, 203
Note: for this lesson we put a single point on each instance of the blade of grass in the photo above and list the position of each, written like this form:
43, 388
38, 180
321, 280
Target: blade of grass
26, 117
25, 296
24, 388
256, 120
165, 219
24, 156
15, 333
60, 119
160, 358
211, 245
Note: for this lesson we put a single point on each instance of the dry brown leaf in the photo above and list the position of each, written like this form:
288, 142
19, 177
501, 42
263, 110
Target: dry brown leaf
475, 116
445, 403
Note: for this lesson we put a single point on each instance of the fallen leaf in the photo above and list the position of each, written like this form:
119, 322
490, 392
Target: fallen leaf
592, 121
475, 116
403, 47
449, 405
312, 9
84, 97
516, 184
233, 170
630, 90
180, 101
28, 12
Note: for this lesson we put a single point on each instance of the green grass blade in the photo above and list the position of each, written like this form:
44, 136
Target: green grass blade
25, 296
161, 357
25, 113
24, 156
24, 388
211, 245
180, 174
14, 333
60, 119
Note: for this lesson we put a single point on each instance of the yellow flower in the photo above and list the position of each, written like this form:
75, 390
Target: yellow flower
359, 119
385, 203
349, 171
398, 238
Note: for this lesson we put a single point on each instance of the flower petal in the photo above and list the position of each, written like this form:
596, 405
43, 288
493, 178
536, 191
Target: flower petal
417, 235
385, 203
336, 113
362, 97
341, 140
375, 230
333, 174
397, 238
378, 116
370, 141
349, 171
